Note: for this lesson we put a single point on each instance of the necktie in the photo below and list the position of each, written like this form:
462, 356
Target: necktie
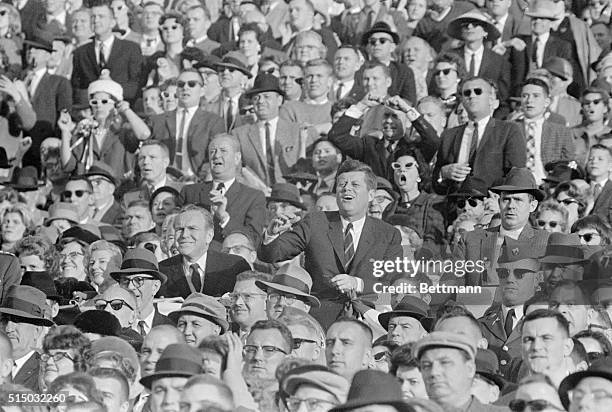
536, 52
596, 190
269, 155
473, 64
473, 143
509, 322
102, 58
349, 249
531, 149
370, 19
196, 281
339, 91
229, 117
142, 328
220, 187
179, 140
389, 149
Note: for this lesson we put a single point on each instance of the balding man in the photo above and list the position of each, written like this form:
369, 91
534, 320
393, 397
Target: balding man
6, 358
235, 206
301, 19
154, 344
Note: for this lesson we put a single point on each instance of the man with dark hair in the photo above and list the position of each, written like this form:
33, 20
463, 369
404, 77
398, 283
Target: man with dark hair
461, 321
348, 347
340, 247
268, 343
573, 302
406, 368
113, 387
198, 21
79, 192
347, 61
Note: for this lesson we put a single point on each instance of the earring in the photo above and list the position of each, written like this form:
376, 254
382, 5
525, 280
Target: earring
418, 179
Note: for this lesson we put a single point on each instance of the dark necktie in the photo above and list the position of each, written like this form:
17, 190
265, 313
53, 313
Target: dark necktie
229, 118
508, 322
536, 52
270, 155
142, 328
339, 91
596, 191
473, 64
102, 58
474, 143
220, 187
389, 150
196, 280
349, 249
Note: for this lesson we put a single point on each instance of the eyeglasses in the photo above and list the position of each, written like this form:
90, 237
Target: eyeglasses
244, 296
477, 91
115, 304
312, 404
552, 223
276, 298
536, 405
67, 194
381, 355
398, 165
382, 199
594, 101
375, 40
71, 255
577, 395
168, 28
504, 273
191, 83
268, 350
445, 72
95, 102
587, 237
470, 201
137, 281
168, 95
568, 201
297, 342
469, 24
57, 356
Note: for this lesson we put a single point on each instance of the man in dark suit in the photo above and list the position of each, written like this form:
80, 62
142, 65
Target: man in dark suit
54, 19
599, 166
347, 85
187, 130
235, 207
519, 197
433, 26
140, 273
10, 273
343, 249
122, 58
197, 268
509, 25
49, 95
272, 146
103, 181
26, 314
485, 148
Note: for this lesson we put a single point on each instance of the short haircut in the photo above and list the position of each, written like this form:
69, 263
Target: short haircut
320, 63
178, 18
80, 381
568, 283
281, 328
253, 274
351, 165
537, 378
216, 344
192, 54
603, 341
599, 146
224, 391
539, 297
192, 70
292, 316
436, 101
161, 145
233, 139
138, 203
547, 314
367, 331
169, 330
117, 375
251, 27
200, 6
372, 64
291, 63
206, 215
460, 312
534, 81
402, 356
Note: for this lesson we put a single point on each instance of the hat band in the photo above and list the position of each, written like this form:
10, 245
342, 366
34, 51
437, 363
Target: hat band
233, 61
177, 364
291, 282
138, 264
193, 305
16, 303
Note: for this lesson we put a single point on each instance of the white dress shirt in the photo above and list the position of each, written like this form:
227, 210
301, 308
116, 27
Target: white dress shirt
540, 52
148, 323
514, 234
202, 268
262, 134
20, 362
180, 112
467, 56
464, 149
346, 87
356, 233
108, 45
36, 78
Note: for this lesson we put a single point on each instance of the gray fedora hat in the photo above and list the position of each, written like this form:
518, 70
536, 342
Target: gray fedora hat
520, 180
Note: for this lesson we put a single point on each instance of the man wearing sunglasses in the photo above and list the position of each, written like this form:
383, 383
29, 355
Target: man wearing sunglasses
78, 191
119, 302
485, 147
187, 130
103, 182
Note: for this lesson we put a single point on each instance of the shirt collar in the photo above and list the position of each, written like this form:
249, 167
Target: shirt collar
312, 102
21, 361
201, 262
357, 224
514, 234
227, 183
478, 51
518, 311
272, 122
108, 43
482, 123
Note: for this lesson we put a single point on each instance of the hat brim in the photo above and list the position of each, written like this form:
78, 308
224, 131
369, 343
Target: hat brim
236, 67
474, 194
497, 379
174, 317
104, 175
135, 271
574, 379
148, 380
400, 405
294, 203
454, 28
23, 188
26, 315
385, 317
253, 92
562, 260
313, 301
38, 45
540, 15
48, 220
366, 35
537, 193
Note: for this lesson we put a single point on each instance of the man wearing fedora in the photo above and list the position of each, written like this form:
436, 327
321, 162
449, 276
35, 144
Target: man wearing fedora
140, 273
233, 74
197, 268
43, 281
235, 206
25, 314
187, 131
200, 316
103, 182
177, 363
285, 200
447, 362
404, 323
270, 147
10, 273
433, 26
6, 358
290, 287
307, 382
589, 390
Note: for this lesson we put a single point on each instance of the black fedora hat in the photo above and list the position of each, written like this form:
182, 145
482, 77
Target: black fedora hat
28, 303
487, 366
563, 249
563, 170
25, 179
455, 27
98, 321
379, 27
373, 387
40, 43
139, 261
42, 281
409, 306
474, 187
520, 180
177, 360
235, 60
286, 192
265, 82
80, 233
209, 62
600, 368
101, 169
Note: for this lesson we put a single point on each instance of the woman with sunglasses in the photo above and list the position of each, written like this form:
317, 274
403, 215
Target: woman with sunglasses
573, 199
446, 74
63, 349
16, 223
592, 231
594, 125
552, 217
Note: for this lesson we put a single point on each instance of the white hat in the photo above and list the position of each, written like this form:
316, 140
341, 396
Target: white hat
107, 85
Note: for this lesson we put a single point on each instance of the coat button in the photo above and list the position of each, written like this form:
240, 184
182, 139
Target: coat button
503, 362
505, 348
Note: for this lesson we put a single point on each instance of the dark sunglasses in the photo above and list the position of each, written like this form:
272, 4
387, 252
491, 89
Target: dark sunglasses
462, 202
271, 70
67, 194
95, 102
552, 224
519, 405
504, 273
588, 236
168, 28
374, 41
115, 304
381, 355
191, 83
588, 102
168, 95
468, 93
297, 342
445, 72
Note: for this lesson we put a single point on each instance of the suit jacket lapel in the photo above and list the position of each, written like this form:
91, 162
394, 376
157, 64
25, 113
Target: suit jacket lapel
91, 55
40, 86
486, 136
364, 241
336, 236
457, 142
253, 135
196, 120
605, 194
30, 367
